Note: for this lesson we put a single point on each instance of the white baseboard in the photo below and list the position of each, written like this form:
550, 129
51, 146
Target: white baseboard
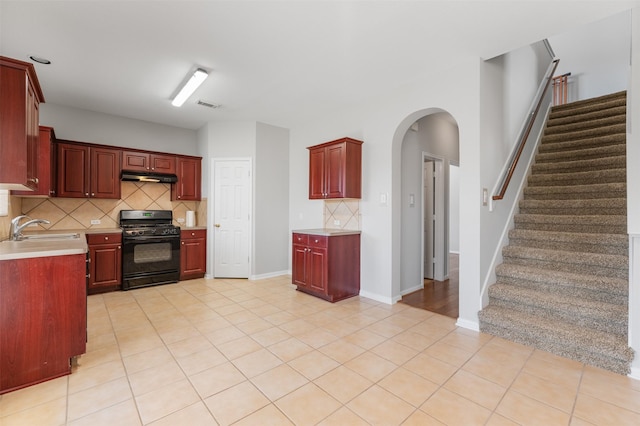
470, 325
412, 289
378, 298
635, 373
267, 275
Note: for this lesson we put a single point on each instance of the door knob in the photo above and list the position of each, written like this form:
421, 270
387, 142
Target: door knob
217, 225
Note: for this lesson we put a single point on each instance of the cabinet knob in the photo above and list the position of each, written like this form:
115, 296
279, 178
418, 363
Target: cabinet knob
193, 234
118, 247
183, 243
316, 241
93, 194
86, 194
153, 168
106, 238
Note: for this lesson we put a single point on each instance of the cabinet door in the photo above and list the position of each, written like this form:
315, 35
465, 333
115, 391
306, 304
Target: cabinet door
73, 171
163, 163
33, 139
105, 262
317, 174
317, 269
193, 255
45, 164
334, 171
299, 265
105, 173
136, 161
189, 179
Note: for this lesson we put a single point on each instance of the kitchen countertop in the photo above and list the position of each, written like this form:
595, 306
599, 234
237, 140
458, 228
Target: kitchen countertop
11, 250
326, 232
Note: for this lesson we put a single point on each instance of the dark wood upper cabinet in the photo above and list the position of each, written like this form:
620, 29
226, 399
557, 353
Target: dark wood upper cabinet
335, 169
45, 167
19, 119
188, 187
148, 162
87, 171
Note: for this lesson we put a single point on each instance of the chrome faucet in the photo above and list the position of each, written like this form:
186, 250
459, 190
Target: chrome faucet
15, 232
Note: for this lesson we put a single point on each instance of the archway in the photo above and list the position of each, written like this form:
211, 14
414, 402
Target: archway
430, 146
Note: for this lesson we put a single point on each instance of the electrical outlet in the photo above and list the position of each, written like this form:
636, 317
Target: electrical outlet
336, 222
181, 220
96, 221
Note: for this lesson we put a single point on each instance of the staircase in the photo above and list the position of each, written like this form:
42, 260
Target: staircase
563, 284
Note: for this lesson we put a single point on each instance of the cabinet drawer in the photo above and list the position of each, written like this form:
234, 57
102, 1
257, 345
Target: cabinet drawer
317, 241
300, 239
104, 238
186, 234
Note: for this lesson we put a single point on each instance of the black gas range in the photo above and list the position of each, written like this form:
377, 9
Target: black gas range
151, 248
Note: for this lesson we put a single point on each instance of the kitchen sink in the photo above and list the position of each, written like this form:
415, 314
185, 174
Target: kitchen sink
41, 237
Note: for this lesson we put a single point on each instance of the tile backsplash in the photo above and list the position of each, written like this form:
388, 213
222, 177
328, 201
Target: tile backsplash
15, 204
77, 213
342, 214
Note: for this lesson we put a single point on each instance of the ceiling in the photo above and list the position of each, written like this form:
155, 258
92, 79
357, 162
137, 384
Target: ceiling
271, 61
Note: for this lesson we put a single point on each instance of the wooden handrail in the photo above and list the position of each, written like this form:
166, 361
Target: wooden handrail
546, 81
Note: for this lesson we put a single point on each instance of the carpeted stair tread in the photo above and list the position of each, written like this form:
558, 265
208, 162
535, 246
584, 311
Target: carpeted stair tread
595, 263
597, 224
578, 177
593, 206
572, 192
585, 242
574, 310
585, 134
604, 163
602, 141
567, 119
593, 347
567, 280
576, 126
581, 154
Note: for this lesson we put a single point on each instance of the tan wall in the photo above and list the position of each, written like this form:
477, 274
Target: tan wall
5, 221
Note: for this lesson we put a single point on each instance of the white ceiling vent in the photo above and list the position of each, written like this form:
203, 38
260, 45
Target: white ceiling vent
208, 104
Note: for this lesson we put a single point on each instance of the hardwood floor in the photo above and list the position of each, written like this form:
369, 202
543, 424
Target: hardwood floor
438, 296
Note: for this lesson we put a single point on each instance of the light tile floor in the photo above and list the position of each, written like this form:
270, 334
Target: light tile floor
207, 352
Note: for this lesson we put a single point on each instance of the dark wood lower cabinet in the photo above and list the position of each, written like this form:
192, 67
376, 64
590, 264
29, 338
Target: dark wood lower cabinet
193, 253
105, 262
327, 266
43, 318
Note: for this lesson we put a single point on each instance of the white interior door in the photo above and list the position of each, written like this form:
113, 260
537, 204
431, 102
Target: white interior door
232, 218
429, 218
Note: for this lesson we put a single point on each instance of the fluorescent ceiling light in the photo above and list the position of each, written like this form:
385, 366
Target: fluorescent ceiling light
187, 90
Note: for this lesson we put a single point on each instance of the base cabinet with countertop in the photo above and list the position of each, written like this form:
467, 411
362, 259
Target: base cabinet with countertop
43, 318
105, 262
326, 264
193, 253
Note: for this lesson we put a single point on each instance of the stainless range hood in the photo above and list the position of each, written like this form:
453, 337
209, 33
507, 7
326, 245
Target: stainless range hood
131, 176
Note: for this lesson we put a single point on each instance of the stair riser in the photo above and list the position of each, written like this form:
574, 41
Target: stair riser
566, 290
585, 318
559, 347
578, 155
568, 246
602, 271
579, 228
569, 193
611, 141
611, 163
579, 179
585, 107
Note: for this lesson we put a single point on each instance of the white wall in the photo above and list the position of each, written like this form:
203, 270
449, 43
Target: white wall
271, 202
93, 127
454, 209
596, 55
